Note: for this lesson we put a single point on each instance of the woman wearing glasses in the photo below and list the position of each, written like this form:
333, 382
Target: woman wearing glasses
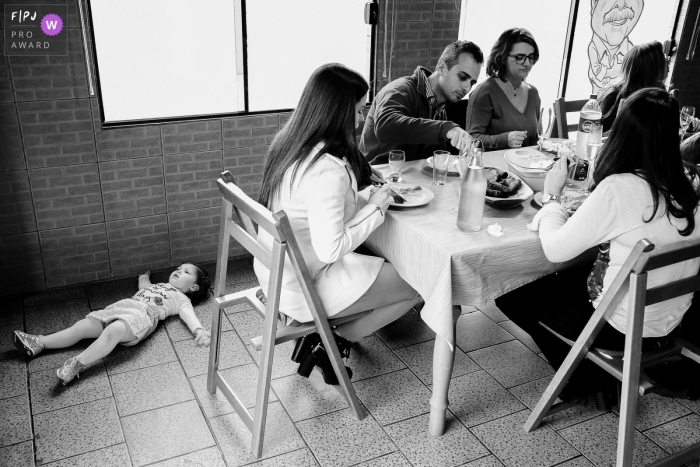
503, 110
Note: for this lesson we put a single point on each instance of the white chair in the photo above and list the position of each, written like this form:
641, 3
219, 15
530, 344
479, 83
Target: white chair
627, 367
252, 214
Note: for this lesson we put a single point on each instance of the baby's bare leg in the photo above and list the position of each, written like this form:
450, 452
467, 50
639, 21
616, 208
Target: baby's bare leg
83, 329
114, 333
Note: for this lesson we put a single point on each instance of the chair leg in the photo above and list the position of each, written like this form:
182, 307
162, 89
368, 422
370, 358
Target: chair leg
213, 365
631, 370
339, 368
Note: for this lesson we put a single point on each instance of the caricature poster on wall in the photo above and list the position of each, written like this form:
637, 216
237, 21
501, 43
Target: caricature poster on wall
605, 31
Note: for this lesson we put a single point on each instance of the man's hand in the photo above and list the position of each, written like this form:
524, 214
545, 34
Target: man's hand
202, 338
459, 138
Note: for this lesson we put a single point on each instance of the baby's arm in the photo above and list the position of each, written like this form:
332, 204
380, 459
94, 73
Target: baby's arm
201, 335
144, 280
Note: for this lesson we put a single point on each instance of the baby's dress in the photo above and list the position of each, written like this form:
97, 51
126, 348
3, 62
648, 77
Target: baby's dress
142, 312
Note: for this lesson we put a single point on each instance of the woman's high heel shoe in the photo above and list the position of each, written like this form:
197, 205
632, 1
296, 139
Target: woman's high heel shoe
304, 346
324, 363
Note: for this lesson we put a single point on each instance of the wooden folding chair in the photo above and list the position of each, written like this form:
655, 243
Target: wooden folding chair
561, 107
627, 367
252, 214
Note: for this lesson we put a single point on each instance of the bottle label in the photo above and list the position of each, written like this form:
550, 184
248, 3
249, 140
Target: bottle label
585, 122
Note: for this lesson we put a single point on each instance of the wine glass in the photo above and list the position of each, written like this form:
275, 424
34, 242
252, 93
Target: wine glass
543, 131
396, 160
687, 114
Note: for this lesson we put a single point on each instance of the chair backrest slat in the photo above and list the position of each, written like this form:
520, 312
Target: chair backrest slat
672, 290
670, 254
245, 206
248, 242
561, 107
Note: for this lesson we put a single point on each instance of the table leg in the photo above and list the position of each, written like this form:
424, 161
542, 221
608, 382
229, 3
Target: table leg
443, 361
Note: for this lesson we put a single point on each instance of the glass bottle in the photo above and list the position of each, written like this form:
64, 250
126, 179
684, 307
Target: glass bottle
472, 193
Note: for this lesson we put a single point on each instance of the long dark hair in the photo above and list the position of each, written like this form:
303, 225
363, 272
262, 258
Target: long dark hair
496, 63
644, 141
325, 114
642, 67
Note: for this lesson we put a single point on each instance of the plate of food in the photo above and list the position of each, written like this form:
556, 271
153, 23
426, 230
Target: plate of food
406, 195
571, 201
505, 190
451, 167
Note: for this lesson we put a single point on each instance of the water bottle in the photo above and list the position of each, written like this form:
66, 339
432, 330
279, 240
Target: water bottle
590, 114
472, 192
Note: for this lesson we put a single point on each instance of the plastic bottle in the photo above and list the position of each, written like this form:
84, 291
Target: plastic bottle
472, 193
590, 114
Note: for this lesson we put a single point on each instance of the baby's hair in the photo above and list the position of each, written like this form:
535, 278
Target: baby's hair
204, 283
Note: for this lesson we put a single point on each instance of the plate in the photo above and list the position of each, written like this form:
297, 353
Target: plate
538, 199
451, 168
418, 198
513, 200
529, 159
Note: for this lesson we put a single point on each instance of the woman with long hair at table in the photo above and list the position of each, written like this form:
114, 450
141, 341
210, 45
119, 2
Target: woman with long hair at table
644, 66
311, 172
642, 189
504, 110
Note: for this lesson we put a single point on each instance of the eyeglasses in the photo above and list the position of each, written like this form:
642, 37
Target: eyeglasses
520, 58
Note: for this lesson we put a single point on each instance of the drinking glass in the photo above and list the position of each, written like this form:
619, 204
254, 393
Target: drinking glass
543, 131
440, 163
595, 141
687, 114
396, 160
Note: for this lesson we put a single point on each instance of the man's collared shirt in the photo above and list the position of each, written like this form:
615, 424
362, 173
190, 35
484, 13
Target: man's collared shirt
439, 112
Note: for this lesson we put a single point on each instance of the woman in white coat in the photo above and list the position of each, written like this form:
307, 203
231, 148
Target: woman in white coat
312, 172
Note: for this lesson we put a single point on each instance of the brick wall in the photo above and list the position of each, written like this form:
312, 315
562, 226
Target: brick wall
81, 203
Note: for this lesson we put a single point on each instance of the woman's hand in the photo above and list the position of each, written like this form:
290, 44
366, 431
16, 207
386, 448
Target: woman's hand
556, 177
381, 198
516, 138
377, 176
202, 338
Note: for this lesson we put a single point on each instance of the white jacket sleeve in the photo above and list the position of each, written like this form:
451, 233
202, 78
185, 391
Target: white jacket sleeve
599, 219
325, 187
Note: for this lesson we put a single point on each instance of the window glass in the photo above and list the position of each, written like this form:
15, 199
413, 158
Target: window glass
164, 59
287, 40
483, 21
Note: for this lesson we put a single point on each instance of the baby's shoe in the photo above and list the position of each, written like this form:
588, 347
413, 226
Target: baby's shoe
28, 343
70, 369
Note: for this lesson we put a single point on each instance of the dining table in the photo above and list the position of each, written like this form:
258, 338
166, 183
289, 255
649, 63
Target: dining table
450, 267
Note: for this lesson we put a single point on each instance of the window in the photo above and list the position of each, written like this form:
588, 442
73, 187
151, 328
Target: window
484, 20
183, 59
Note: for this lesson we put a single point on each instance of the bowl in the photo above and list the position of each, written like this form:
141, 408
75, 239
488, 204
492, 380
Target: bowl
534, 177
513, 200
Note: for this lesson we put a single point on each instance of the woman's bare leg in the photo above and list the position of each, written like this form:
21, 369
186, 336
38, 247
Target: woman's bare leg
114, 333
86, 328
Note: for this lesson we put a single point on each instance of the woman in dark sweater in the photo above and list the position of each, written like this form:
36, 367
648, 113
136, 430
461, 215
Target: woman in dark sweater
644, 66
503, 110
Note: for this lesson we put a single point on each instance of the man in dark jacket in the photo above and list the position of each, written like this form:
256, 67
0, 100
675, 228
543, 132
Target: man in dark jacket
409, 113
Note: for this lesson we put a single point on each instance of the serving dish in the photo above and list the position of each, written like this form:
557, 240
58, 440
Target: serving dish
516, 199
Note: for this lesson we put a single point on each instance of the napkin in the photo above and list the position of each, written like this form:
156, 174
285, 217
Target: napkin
495, 230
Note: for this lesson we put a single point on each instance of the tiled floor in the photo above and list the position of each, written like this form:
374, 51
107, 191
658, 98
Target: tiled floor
148, 405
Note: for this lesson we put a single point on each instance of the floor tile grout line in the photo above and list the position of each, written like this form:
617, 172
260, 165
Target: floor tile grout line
119, 417
196, 399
